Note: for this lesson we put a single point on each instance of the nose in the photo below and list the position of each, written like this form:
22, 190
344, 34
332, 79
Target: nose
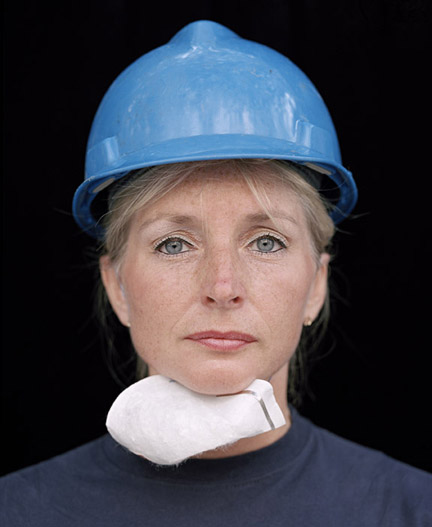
223, 281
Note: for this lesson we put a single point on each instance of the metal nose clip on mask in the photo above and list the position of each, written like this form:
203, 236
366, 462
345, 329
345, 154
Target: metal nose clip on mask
209, 94
166, 423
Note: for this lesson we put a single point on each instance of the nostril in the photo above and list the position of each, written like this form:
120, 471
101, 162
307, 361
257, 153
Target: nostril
229, 301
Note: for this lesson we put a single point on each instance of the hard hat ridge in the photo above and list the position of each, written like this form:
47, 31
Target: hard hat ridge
202, 33
209, 94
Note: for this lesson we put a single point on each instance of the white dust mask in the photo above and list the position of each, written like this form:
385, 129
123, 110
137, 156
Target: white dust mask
163, 421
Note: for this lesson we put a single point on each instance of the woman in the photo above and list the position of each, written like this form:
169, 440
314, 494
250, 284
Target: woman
223, 258
214, 181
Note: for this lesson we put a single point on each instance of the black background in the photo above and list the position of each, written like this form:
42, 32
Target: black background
370, 62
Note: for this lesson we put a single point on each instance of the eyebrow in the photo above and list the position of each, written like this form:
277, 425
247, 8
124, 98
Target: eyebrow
272, 214
185, 219
175, 219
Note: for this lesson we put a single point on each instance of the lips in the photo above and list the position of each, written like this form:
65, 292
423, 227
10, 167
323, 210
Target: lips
222, 341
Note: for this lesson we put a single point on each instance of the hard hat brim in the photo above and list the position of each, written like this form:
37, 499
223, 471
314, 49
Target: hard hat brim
210, 147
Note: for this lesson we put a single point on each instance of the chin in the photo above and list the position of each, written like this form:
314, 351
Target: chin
218, 381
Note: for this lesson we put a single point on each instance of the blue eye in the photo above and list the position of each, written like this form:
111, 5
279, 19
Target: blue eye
265, 245
268, 244
172, 246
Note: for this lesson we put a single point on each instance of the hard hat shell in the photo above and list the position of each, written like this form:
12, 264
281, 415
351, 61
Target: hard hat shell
209, 94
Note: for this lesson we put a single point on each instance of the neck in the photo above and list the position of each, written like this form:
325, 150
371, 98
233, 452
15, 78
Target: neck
279, 382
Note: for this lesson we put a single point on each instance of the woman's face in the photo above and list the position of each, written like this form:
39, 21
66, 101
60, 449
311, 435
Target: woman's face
215, 292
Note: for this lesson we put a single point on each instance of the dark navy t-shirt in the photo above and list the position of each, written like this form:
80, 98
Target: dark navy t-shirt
309, 478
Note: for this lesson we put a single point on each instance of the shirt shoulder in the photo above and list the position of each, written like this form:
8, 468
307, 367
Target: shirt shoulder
42, 493
374, 484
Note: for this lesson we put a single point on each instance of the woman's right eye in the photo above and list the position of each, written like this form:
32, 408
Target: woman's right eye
173, 246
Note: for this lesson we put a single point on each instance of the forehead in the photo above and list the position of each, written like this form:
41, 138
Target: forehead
229, 190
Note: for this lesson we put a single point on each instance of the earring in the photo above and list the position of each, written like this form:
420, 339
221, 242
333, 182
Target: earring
308, 322
128, 325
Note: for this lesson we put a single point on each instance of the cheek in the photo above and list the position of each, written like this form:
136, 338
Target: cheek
155, 299
149, 316
284, 293
284, 316
282, 306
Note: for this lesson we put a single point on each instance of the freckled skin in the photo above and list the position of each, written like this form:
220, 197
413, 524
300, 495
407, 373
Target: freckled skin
220, 280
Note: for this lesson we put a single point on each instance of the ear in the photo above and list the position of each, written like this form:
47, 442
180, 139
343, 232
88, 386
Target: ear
318, 290
114, 289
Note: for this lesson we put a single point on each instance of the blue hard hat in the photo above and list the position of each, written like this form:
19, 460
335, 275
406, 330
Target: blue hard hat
209, 94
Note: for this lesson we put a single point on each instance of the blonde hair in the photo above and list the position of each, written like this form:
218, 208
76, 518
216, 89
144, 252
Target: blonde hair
144, 187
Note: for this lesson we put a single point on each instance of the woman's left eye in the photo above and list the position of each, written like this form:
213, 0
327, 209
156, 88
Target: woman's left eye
268, 244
